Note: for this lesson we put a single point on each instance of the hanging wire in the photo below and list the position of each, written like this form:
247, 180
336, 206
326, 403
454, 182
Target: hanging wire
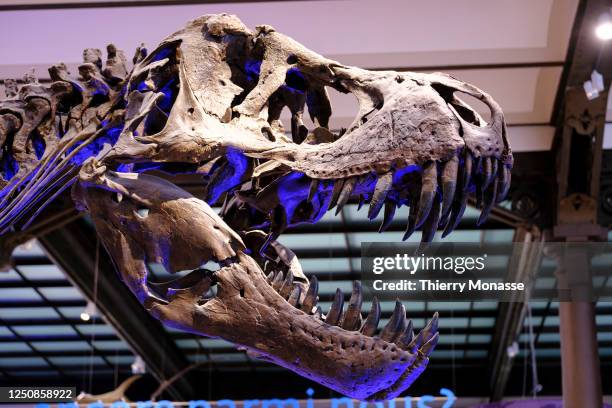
93, 320
532, 351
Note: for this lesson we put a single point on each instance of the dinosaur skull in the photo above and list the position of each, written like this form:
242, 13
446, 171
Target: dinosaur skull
208, 101
143, 219
213, 93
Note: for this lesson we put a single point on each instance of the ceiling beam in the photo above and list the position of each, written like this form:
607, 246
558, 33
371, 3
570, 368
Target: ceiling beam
73, 249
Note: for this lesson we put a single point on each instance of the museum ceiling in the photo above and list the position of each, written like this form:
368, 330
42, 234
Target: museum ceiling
42, 335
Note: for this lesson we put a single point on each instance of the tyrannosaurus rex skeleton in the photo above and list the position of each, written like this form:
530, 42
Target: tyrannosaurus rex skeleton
208, 101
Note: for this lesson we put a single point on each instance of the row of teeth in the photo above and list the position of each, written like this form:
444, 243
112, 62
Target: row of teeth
398, 329
441, 200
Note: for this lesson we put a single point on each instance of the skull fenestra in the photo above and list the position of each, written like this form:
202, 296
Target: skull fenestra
208, 101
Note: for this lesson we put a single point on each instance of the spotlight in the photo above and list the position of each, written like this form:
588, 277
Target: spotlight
513, 350
138, 366
594, 86
603, 31
90, 310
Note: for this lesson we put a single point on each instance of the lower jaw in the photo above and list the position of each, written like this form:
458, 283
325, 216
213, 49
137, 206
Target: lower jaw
250, 313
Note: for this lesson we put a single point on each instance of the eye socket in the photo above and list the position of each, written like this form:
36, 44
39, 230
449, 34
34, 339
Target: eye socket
142, 212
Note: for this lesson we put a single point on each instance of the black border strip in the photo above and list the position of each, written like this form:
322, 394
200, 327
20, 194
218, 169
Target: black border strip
126, 3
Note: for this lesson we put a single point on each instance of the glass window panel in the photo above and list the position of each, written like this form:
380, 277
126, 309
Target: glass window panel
63, 293
197, 358
29, 248
16, 295
604, 336
453, 322
500, 235
72, 312
95, 329
5, 332
77, 360
479, 338
228, 357
604, 320
120, 360
61, 345
22, 362
187, 343
325, 266
28, 313
551, 321
215, 343
329, 287
111, 345
545, 283
476, 354
452, 339
482, 322
45, 330
42, 272
329, 241
485, 305
14, 346
436, 306
9, 276
548, 353
450, 353
605, 351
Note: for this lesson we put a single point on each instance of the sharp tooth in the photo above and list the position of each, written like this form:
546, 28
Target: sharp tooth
277, 283
430, 226
494, 169
468, 162
314, 188
336, 193
456, 214
287, 286
426, 334
383, 185
428, 192
411, 218
487, 172
406, 338
270, 277
317, 313
503, 178
396, 325
311, 295
294, 298
479, 195
429, 347
352, 316
488, 202
361, 201
345, 194
388, 216
449, 184
335, 311
371, 323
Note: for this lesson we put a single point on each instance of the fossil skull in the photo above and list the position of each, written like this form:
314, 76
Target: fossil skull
208, 101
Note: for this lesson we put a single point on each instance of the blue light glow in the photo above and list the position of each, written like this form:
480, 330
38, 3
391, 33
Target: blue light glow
230, 175
252, 68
